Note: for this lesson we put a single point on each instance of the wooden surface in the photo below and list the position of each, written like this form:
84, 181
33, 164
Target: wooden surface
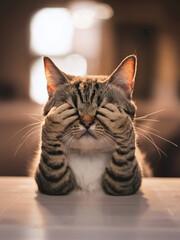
152, 213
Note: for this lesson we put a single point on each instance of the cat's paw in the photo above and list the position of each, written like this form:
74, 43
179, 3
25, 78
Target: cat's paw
110, 116
59, 118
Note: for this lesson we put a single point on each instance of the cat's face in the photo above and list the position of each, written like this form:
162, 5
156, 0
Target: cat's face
86, 95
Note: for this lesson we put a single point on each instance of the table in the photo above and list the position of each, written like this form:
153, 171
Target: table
152, 213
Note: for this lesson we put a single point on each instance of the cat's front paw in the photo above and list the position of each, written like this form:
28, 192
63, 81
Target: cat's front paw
61, 117
111, 117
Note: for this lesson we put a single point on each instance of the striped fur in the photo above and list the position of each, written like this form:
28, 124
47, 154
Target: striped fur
123, 174
111, 134
53, 174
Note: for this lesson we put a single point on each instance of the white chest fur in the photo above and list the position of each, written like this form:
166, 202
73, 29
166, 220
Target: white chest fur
88, 168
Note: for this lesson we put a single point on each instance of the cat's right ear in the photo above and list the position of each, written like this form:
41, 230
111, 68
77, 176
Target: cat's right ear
53, 75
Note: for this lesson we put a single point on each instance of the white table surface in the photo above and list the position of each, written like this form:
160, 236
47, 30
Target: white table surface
152, 213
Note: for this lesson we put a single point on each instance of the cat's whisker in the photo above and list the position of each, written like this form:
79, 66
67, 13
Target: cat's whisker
31, 131
107, 132
110, 135
108, 143
70, 143
158, 150
152, 129
37, 114
65, 138
17, 150
31, 114
146, 119
76, 131
149, 136
65, 135
107, 136
111, 143
19, 131
151, 140
166, 140
40, 120
150, 114
37, 119
67, 145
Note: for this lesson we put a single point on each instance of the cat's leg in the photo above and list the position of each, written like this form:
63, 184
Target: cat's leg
123, 173
53, 175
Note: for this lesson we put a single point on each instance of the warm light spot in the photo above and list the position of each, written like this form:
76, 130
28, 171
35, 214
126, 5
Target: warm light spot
51, 32
38, 83
73, 64
83, 18
85, 14
103, 11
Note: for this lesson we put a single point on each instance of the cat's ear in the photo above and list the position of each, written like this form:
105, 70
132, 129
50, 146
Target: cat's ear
124, 75
53, 75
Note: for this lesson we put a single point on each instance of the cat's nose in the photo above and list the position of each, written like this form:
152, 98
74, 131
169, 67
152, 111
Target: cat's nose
87, 120
86, 124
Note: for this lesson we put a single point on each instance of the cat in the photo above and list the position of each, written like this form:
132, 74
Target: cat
88, 139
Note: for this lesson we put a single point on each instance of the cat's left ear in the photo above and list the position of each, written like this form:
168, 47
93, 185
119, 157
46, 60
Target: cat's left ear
124, 75
54, 75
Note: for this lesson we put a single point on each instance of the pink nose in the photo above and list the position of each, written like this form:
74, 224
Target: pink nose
86, 123
87, 120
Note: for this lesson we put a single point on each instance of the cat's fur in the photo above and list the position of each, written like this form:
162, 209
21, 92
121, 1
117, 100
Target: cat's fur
88, 136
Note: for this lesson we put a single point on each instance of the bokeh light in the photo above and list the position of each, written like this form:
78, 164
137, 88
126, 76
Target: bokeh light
51, 31
83, 18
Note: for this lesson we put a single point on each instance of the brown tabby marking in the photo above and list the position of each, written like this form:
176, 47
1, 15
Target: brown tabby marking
88, 113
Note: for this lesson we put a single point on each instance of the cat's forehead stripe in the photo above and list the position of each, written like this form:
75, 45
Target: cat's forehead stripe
86, 90
90, 78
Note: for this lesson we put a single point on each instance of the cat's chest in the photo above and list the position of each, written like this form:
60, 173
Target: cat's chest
88, 168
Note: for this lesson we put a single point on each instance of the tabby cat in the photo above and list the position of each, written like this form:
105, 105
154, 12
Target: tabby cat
88, 140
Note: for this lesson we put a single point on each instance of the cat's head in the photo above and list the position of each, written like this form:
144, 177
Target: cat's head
87, 93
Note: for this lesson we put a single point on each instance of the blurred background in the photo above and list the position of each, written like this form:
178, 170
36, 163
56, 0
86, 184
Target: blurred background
89, 37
